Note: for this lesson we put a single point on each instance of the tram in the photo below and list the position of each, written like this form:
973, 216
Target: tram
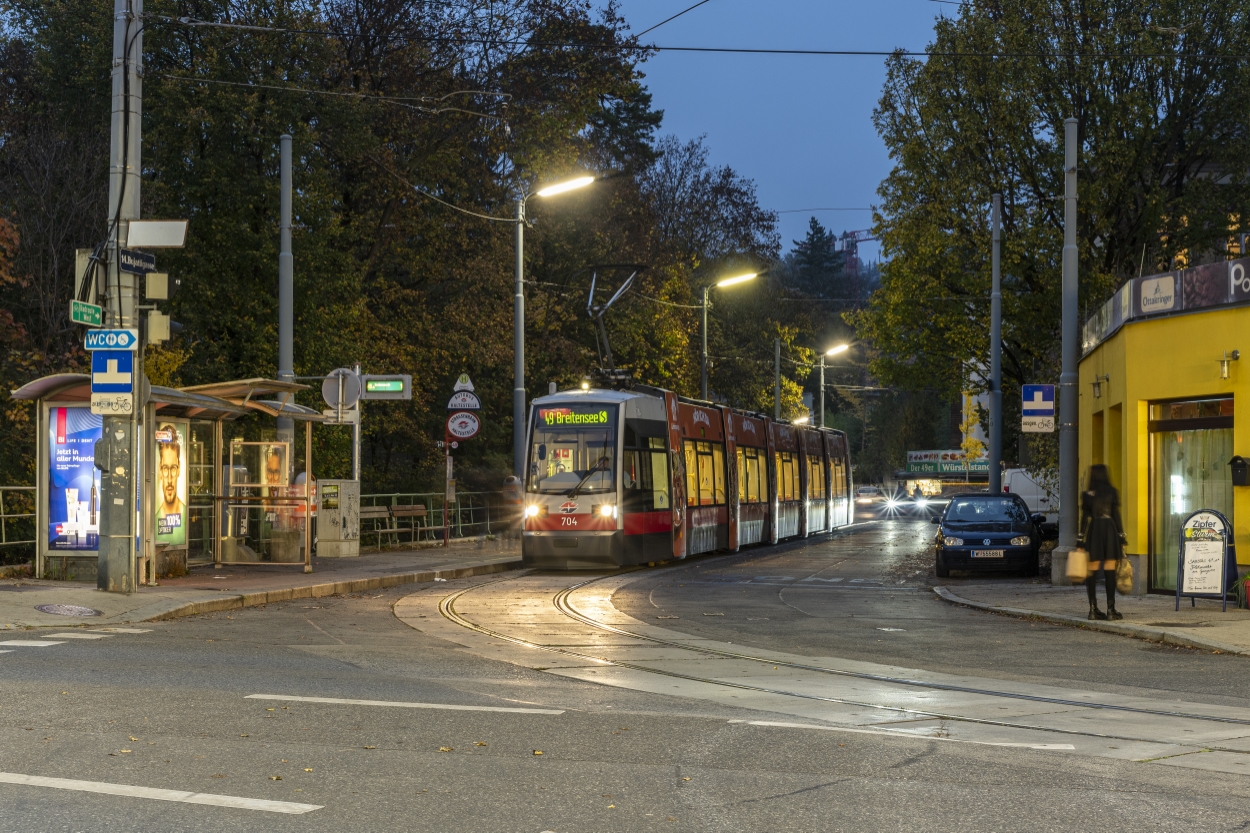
622, 477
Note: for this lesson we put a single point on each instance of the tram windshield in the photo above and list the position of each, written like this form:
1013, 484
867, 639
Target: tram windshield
574, 448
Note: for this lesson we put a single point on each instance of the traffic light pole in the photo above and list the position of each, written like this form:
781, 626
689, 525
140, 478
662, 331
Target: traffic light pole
117, 454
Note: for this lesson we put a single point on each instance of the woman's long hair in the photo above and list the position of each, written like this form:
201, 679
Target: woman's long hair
1100, 488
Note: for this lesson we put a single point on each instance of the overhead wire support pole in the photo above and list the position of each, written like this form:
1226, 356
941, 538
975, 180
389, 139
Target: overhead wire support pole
996, 351
1069, 477
822, 390
703, 363
286, 290
518, 345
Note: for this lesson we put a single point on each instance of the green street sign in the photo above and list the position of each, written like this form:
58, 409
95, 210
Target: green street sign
80, 312
384, 385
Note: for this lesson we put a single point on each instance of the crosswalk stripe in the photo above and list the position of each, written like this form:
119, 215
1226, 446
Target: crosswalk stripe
29, 643
401, 705
181, 796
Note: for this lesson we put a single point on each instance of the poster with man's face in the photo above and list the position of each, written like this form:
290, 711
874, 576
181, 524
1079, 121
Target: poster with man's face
171, 483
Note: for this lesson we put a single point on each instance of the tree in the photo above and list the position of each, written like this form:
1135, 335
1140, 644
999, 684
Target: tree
1164, 164
816, 267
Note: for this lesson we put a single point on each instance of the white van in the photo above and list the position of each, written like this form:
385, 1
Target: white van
1037, 496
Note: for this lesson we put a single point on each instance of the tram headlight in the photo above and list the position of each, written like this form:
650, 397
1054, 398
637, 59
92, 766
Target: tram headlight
531, 511
605, 510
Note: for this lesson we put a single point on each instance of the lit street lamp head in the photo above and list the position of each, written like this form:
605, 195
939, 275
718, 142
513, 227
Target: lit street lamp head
561, 187
801, 420
737, 279
841, 348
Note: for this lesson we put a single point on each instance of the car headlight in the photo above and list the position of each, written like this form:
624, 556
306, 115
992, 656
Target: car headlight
891, 504
531, 511
1021, 541
953, 542
864, 500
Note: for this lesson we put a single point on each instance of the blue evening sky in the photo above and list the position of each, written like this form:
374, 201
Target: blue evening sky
800, 126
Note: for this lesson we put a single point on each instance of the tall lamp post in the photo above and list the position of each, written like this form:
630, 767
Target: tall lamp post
832, 351
518, 320
719, 285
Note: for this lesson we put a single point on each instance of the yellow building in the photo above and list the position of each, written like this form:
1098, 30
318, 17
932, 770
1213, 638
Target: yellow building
1159, 391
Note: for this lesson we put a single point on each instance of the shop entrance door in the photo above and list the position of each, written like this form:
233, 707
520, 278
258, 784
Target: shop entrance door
1190, 446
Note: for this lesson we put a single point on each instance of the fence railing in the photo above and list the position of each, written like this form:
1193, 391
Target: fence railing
470, 515
17, 504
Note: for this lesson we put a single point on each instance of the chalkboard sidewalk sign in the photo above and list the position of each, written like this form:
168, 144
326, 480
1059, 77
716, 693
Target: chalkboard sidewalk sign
1202, 568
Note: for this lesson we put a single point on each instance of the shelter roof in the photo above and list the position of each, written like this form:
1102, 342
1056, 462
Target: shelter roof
244, 389
76, 387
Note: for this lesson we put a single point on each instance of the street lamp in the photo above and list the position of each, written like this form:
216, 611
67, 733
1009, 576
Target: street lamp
832, 351
518, 320
719, 285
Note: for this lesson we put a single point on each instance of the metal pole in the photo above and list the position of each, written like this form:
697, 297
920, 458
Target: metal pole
1069, 477
518, 347
286, 296
822, 391
703, 364
356, 429
996, 354
308, 496
777, 378
116, 554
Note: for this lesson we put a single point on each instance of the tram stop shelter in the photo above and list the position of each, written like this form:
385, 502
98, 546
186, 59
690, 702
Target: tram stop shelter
190, 510
1161, 383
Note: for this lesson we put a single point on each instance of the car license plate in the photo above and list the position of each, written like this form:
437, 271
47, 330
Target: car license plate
987, 554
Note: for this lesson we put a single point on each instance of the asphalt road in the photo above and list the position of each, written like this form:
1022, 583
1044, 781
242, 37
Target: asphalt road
170, 709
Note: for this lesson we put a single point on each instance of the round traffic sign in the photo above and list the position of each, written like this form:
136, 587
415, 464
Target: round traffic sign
344, 379
463, 424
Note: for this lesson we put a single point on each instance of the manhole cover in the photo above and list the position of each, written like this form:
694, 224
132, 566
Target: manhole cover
68, 610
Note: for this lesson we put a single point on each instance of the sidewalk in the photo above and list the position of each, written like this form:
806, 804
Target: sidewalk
206, 590
1145, 617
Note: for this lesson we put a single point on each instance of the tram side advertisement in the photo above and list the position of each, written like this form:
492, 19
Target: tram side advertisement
73, 479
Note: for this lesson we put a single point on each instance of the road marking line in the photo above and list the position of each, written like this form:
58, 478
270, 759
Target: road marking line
348, 702
894, 733
79, 635
6, 652
30, 643
180, 796
121, 630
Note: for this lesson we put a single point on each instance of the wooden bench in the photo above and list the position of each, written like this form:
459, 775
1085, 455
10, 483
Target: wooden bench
375, 514
416, 514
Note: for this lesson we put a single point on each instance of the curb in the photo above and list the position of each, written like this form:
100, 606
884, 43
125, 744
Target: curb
316, 591
1138, 631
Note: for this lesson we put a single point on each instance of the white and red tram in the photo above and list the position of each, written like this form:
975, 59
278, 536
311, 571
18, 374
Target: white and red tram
621, 477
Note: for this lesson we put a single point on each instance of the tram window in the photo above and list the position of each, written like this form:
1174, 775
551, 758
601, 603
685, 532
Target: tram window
749, 484
644, 475
815, 479
787, 475
705, 473
573, 445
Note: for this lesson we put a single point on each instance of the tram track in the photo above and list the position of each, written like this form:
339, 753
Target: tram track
562, 602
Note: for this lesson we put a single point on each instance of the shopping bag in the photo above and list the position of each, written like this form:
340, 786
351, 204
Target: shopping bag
1124, 576
1078, 566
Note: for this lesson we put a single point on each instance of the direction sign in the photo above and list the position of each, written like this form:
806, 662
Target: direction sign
464, 401
1037, 409
80, 312
112, 371
463, 425
136, 262
111, 340
387, 387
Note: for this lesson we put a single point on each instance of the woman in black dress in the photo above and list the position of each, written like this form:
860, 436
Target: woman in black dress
1102, 536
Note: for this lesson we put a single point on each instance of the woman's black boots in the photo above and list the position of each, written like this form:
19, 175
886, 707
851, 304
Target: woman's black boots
1112, 613
1094, 612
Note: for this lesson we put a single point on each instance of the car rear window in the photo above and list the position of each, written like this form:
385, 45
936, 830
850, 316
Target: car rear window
981, 509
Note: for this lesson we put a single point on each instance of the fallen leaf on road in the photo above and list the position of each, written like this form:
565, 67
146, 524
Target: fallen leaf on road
611, 806
306, 769
445, 749
685, 779
244, 736
65, 692
538, 752
370, 747
217, 776
268, 710
479, 743
123, 750
275, 777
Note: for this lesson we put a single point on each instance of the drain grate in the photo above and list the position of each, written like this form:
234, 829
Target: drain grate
68, 610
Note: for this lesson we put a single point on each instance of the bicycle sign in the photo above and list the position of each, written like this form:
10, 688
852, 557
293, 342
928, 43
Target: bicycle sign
112, 404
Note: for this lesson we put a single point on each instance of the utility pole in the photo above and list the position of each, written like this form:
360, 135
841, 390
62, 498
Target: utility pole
119, 447
357, 428
518, 346
286, 291
703, 362
822, 390
1069, 477
777, 378
996, 353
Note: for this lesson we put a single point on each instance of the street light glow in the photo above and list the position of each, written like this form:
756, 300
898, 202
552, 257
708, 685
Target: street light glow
841, 348
561, 187
737, 279
801, 420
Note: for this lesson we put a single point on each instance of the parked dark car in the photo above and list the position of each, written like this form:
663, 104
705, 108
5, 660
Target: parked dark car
987, 532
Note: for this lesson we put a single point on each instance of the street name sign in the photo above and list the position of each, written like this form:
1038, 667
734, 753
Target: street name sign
464, 401
80, 312
398, 386
135, 262
1037, 409
127, 339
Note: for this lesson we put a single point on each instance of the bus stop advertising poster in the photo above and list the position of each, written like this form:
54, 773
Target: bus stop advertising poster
171, 483
73, 479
